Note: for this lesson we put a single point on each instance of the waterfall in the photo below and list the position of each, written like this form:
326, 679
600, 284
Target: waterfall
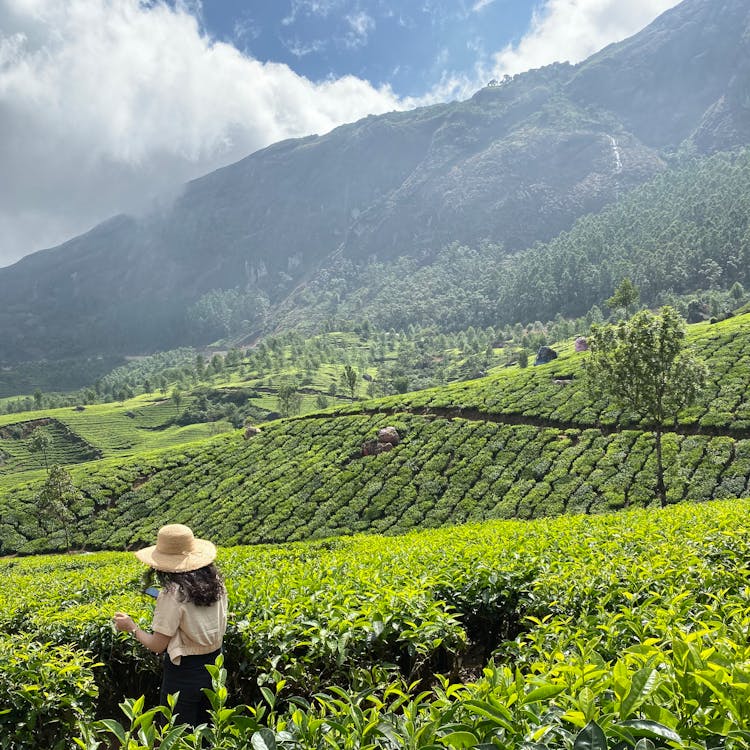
616, 154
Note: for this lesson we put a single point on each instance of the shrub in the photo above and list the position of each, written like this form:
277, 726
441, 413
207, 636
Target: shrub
47, 691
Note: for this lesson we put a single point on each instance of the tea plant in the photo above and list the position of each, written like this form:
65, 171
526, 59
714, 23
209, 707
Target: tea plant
604, 629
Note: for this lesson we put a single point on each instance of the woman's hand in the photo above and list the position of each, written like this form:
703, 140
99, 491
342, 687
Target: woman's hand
124, 622
156, 642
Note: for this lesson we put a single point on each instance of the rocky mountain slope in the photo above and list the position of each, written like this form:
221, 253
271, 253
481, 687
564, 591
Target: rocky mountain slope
515, 164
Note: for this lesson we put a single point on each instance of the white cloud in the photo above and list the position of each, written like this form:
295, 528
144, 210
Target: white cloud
360, 25
480, 5
245, 29
574, 29
320, 8
301, 49
560, 30
105, 102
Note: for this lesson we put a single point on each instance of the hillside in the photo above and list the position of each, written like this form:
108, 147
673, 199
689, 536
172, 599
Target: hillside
513, 165
684, 231
175, 397
517, 444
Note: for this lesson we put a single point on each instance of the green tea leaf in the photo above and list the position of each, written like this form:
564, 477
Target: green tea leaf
461, 739
115, 728
543, 693
263, 739
591, 737
650, 729
644, 681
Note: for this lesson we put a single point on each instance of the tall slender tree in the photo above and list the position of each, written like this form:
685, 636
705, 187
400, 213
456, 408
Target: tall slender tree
349, 378
626, 297
643, 366
56, 501
41, 442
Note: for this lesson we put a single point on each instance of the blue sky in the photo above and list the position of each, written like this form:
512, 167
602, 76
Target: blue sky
409, 45
109, 105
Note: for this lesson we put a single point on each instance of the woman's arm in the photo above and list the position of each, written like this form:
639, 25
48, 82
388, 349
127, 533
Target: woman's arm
156, 642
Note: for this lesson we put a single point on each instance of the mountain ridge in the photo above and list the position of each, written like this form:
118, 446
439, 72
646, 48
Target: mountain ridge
514, 164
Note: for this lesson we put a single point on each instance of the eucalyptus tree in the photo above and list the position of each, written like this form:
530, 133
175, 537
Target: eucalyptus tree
643, 366
626, 297
349, 379
56, 501
289, 399
41, 442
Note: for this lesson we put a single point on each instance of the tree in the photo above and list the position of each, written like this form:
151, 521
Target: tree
349, 379
176, 398
289, 400
200, 366
217, 364
400, 383
641, 365
41, 442
626, 297
56, 501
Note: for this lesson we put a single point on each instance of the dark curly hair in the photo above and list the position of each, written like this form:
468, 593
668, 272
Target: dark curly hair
202, 587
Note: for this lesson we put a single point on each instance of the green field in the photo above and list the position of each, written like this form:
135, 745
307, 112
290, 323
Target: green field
139, 424
546, 621
629, 628
123, 427
520, 443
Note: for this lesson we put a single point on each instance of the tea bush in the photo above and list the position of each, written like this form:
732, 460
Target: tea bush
611, 630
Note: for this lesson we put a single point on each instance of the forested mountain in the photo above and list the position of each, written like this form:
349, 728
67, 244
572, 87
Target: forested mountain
688, 229
514, 165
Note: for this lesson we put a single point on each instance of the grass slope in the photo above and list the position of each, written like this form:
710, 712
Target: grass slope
515, 444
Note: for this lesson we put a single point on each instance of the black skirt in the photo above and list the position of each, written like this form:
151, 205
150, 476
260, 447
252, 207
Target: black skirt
189, 677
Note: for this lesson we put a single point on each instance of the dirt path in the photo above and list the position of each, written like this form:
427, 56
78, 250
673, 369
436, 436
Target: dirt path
475, 415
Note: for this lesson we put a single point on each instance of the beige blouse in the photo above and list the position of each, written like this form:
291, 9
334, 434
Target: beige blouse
191, 629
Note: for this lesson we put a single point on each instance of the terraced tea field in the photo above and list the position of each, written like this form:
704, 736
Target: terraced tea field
516, 444
554, 394
96, 431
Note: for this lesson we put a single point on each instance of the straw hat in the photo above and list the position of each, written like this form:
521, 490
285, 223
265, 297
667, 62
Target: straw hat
177, 550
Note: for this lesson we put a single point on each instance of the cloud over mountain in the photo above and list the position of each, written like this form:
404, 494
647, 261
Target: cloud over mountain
103, 102
107, 103
574, 29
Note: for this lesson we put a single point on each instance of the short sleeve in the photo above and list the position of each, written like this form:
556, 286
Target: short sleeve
167, 614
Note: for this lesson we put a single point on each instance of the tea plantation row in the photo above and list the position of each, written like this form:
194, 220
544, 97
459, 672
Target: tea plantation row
556, 391
606, 631
85, 433
17, 452
553, 393
306, 478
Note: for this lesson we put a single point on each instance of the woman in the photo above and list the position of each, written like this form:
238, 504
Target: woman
190, 617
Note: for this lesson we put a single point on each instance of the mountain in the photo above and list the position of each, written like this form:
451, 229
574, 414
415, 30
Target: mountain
515, 164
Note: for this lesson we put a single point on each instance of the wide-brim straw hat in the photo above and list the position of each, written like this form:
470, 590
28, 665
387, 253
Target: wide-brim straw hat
177, 550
